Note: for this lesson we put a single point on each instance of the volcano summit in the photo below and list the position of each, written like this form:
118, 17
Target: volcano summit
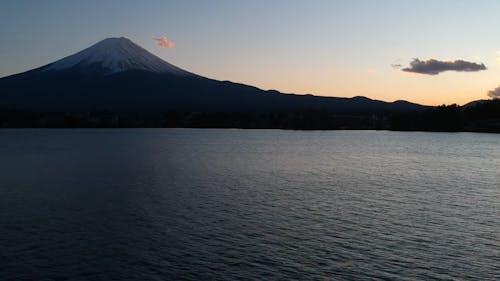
114, 55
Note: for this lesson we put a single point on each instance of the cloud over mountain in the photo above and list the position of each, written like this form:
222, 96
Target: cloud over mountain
164, 42
494, 94
434, 67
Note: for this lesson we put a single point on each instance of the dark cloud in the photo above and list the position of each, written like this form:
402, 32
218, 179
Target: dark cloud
434, 67
494, 94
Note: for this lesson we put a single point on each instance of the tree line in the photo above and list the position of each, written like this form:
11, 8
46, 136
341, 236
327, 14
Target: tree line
482, 117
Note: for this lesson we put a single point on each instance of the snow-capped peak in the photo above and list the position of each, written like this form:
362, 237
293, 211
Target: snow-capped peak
115, 55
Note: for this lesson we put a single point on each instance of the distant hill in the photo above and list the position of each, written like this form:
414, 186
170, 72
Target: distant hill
116, 75
474, 103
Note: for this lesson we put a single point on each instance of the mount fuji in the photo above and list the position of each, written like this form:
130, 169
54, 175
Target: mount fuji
117, 75
114, 55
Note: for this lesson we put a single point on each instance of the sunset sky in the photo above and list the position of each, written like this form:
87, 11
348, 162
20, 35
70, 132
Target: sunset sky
323, 47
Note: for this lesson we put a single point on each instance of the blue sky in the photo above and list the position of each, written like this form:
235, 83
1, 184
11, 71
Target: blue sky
323, 47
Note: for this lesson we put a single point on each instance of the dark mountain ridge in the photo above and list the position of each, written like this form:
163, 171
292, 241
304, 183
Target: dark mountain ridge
116, 75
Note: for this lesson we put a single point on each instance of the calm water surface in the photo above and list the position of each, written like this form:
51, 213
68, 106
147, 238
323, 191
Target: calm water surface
181, 204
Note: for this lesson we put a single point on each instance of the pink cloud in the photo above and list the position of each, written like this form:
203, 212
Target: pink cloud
164, 42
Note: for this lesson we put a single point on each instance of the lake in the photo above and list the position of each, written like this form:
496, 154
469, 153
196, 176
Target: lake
189, 204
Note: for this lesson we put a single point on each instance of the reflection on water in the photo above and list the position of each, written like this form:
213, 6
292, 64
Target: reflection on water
157, 204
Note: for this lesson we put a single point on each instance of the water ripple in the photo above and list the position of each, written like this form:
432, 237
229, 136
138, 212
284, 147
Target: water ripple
248, 205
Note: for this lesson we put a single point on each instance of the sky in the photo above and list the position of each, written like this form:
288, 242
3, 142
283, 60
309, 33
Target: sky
382, 49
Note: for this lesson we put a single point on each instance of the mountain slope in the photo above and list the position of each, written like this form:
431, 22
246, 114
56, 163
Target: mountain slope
117, 75
115, 55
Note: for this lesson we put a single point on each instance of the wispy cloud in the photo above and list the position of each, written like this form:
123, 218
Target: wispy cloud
434, 67
397, 64
164, 42
494, 94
